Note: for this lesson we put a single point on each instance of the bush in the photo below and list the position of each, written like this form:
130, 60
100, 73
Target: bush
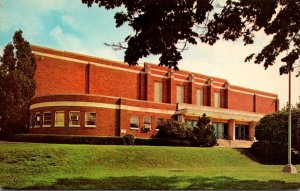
203, 133
129, 139
172, 129
66, 139
271, 133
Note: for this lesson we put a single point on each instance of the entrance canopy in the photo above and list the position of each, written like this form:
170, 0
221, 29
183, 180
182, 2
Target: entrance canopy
217, 113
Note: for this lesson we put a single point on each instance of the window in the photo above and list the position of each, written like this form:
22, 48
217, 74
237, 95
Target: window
47, 119
90, 119
159, 121
217, 100
74, 120
199, 97
179, 94
158, 92
59, 119
31, 121
134, 122
147, 123
37, 120
219, 130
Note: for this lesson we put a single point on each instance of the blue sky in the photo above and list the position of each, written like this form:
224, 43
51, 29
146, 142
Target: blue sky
71, 26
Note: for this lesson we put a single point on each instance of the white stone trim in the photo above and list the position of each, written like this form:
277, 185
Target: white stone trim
160, 76
99, 105
180, 80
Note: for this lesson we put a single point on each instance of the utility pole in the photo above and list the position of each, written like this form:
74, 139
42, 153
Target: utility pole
289, 168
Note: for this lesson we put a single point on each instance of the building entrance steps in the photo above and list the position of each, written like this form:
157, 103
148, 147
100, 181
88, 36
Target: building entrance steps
234, 143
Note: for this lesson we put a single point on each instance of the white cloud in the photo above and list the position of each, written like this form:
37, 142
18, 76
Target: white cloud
70, 21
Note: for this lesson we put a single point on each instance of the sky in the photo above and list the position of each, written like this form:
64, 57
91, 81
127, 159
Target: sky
72, 26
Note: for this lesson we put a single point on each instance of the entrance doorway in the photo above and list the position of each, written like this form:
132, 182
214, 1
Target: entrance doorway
242, 132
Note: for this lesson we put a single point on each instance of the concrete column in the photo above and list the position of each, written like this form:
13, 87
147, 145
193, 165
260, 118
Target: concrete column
192, 90
172, 87
231, 129
181, 118
252, 131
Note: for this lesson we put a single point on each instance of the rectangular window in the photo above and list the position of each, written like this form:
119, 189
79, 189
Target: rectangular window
159, 121
47, 119
90, 119
217, 100
74, 120
147, 123
32, 121
199, 97
179, 94
59, 119
158, 92
134, 122
37, 120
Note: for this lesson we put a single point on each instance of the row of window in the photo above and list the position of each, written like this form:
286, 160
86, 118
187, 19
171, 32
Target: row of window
135, 122
59, 119
158, 89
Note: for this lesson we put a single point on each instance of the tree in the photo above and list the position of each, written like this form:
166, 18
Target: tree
203, 133
17, 85
271, 133
160, 27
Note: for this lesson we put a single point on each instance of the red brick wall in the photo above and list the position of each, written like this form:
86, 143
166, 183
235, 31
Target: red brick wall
265, 105
55, 76
241, 101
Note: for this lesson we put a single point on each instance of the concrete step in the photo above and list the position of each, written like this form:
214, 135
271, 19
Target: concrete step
234, 143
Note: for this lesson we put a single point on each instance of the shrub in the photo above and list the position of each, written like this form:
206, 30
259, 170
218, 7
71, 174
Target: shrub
271, 133
172, 129
203, 133
129, 139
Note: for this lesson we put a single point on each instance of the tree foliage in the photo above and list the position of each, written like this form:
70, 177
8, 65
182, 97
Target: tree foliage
272, 132
172, 129
166, 27
203, 133
17, 85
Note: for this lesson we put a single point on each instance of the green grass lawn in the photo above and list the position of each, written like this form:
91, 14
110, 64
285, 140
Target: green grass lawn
55, 166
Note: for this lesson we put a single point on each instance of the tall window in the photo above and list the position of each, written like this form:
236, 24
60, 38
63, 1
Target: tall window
217, 100
134, 122
74, 120
159, 121
199, 97
37, 120
90, 119
59, 119
179, 94
147, 123
47, 119
158, 92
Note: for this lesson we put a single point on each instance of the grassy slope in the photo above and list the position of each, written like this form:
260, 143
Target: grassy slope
53, 166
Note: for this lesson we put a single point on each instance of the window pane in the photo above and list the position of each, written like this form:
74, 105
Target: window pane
158, 92
90, 118
147, 122
159, 121
74, 118
217, 99
37, 120
134, 122
59, 119
179, 94
199, 96
47, 119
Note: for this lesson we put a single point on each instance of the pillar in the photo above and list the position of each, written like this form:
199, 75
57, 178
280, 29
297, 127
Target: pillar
226, 97
210, 92
252, 131
181, 118
172, 87
192, 90
231, 129
149, 85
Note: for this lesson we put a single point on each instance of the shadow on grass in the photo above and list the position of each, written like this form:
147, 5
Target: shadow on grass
164, 183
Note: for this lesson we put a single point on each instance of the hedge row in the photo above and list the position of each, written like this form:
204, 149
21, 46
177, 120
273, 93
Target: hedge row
74, 139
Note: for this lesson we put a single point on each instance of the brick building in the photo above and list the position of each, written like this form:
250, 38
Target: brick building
84, 95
